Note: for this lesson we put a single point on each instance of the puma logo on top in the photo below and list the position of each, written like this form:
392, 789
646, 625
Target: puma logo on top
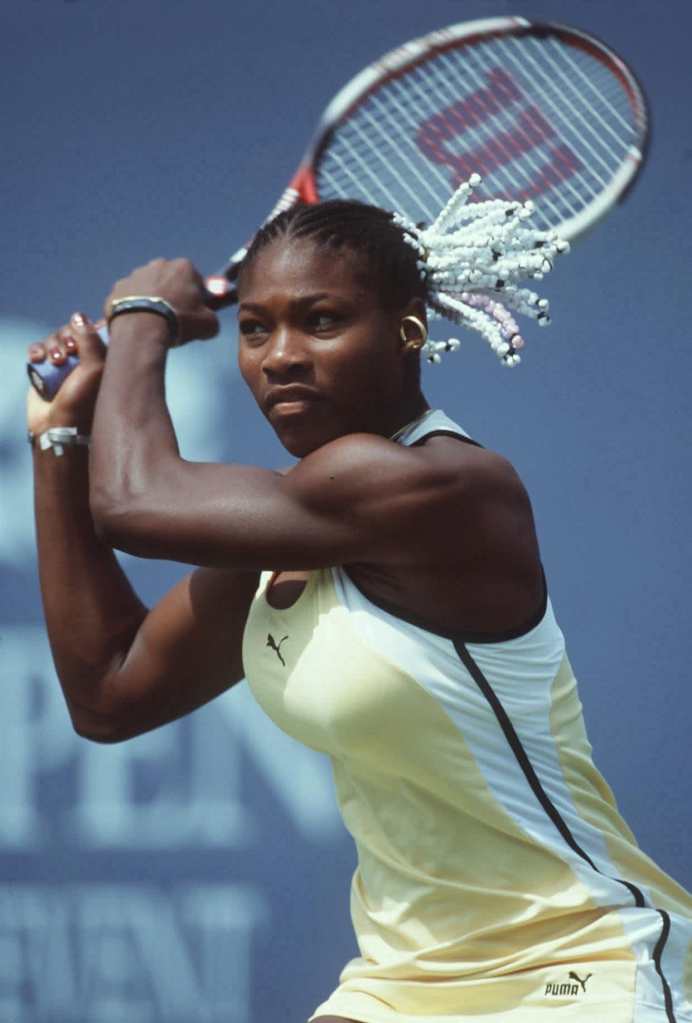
271, 642
575, 976
568, 989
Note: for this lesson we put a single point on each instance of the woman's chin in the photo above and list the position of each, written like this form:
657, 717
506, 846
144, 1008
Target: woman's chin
301, 438
301, 443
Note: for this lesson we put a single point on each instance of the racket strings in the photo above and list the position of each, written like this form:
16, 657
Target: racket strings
388, 131
520, 179
569, 115
519, 184
432, 85
598, 96
424, 180
378, 127
492, 141
588, 132
391, 137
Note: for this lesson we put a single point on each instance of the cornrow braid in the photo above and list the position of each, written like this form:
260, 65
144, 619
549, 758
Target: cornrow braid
367, 230
459, 266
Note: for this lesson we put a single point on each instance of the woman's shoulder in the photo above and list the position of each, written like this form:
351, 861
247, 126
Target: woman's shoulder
367, 463
446, 466
484, 471
433, 491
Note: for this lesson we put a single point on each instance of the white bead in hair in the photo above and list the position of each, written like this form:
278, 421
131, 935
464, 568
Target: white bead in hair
471, 254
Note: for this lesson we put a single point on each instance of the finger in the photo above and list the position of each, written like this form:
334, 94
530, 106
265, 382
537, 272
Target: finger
67, 341
57, 347
189, 268
85, 338
208, 326
54, 347
36, 352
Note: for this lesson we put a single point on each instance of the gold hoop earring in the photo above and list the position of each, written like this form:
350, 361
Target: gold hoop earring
413, 344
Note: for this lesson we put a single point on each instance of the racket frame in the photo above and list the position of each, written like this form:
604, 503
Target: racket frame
403, 59
46, 378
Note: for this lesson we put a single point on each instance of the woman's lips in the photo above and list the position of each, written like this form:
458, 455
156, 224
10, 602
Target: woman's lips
290, 399
293, 406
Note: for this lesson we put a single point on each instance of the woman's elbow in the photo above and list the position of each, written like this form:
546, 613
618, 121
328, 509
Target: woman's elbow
103, 729
118, 522
101, 736
109, 511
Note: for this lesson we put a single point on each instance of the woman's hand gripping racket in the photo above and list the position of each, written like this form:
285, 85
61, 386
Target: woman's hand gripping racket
540, 111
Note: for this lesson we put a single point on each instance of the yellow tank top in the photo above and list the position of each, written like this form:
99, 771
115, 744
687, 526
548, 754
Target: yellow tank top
496, 879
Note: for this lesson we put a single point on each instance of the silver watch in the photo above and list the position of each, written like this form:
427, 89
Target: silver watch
58, 438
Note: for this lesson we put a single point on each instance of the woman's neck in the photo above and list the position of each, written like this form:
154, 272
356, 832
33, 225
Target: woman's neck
407, 415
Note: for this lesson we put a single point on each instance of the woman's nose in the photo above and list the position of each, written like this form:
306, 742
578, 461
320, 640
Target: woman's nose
286, 353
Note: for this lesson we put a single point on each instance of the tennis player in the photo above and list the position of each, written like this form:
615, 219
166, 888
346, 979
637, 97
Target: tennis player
385, 599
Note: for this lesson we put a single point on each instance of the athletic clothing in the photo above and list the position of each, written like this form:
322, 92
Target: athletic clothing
496, 879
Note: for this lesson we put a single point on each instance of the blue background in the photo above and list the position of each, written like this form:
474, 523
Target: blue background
200, 873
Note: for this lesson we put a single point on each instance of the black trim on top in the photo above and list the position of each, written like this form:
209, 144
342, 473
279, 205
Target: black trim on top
454, 634
444, 433
554, 814
657, 953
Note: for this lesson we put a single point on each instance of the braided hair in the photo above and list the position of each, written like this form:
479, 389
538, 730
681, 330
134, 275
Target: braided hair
368, 231
459, 266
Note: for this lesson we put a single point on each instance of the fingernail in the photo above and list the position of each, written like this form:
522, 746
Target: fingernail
70, 344
79, 319
55, 353
36, 352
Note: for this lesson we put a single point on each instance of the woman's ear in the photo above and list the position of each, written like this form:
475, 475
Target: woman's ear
413, 326
416, 307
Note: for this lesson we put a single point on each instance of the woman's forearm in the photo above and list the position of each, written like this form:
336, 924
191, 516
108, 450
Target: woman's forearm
134, 444
92, 613
133, 441
138, 479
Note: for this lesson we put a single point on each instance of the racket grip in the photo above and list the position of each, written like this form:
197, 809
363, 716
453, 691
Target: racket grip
46, 378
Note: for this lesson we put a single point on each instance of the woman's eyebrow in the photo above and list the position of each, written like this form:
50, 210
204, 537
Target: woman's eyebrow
302, 301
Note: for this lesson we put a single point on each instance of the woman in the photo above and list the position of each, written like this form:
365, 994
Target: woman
404, 628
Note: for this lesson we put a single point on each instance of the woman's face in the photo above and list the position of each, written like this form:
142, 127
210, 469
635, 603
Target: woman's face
319, 353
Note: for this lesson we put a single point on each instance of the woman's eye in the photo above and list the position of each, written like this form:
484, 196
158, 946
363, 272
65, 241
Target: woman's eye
251, 329
323, 321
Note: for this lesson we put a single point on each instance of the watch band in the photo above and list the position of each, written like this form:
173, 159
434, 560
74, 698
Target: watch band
58, 438
147, 304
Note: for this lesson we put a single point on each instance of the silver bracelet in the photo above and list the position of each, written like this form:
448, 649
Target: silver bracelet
58, 438
147, 304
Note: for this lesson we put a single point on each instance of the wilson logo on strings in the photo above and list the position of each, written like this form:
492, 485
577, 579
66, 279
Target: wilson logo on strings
439, 137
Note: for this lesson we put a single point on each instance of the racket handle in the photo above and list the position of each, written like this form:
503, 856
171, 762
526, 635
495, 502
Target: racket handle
46, 378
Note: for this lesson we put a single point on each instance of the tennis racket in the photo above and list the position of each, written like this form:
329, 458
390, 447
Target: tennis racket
540, 111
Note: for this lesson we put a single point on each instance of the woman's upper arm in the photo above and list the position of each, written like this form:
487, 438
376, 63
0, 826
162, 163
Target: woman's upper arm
187, 650
355, 499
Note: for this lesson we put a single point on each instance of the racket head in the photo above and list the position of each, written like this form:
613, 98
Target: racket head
541, 111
